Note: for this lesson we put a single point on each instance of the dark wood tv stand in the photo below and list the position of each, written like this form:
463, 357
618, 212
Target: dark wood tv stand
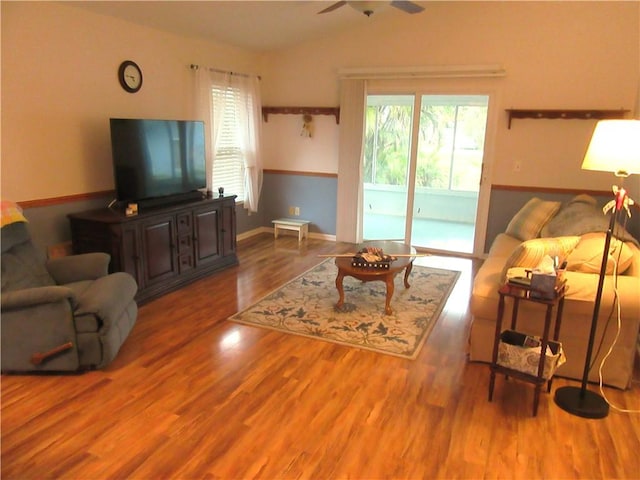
163, 247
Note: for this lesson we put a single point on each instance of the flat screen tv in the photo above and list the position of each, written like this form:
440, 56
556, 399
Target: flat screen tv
155, 159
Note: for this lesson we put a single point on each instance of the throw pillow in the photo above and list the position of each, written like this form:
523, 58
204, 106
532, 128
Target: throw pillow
587, 256
527, 223
584, 198
529, 254
581, 216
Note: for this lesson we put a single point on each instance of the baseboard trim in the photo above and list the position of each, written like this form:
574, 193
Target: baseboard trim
253, 233
322, 236
259, 230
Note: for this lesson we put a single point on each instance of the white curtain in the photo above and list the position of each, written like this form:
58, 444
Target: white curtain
251, 116
246, 91
353, 95
203, 108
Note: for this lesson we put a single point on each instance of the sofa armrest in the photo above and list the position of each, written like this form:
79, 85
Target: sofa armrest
634, 268
75, 268
30, 297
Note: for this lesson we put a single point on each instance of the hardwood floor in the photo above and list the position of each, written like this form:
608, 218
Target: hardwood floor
193, 396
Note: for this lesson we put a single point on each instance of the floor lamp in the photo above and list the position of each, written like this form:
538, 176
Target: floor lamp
614, 147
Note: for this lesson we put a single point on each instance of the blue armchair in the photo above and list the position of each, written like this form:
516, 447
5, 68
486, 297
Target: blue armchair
64, 314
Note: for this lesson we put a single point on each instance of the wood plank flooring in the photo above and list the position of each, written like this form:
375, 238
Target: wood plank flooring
193, 396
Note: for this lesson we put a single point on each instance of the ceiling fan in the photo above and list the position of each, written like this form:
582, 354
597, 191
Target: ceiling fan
368, 7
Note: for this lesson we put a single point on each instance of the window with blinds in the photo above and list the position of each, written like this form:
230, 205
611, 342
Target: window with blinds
228, 164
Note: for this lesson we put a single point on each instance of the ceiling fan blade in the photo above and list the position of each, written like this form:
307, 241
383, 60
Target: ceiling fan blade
333, 7
407, 6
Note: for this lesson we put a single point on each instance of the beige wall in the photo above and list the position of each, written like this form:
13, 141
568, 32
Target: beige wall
284, 148
59, 89
59, 84
571, 55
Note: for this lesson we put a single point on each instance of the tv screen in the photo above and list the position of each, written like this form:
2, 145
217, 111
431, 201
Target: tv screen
157, 158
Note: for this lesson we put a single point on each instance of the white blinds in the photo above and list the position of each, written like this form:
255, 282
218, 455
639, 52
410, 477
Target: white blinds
228, 164
230, 105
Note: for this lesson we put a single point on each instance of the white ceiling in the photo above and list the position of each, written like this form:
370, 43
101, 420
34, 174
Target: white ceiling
255, 25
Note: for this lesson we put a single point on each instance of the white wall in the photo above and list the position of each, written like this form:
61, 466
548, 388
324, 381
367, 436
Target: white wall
572, 55
59, 89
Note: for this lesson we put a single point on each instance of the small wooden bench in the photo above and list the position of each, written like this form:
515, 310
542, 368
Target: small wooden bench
300, 226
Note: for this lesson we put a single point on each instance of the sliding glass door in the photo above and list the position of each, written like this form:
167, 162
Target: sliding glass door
387, 156
422, 169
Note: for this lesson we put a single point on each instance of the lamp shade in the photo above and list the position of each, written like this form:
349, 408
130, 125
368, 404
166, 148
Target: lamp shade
614, 147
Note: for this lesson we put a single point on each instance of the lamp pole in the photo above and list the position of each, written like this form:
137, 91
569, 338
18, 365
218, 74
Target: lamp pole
614, 147
580, 401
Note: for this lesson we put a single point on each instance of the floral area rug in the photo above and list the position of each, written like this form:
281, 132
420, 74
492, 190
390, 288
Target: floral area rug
306, 306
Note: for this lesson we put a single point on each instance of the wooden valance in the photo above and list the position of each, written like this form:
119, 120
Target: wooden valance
266, 111
590, 114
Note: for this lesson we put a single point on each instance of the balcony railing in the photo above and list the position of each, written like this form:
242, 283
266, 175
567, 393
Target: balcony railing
442, 219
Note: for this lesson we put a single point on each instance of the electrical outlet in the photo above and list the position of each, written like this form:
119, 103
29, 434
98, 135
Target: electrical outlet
292, 210
297, 212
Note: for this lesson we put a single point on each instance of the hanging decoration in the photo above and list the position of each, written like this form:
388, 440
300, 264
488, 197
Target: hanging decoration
306, 126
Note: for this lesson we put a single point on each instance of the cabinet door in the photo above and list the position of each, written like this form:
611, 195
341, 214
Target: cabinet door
185, 241
207, 225
129, 247
159, 237
229, 228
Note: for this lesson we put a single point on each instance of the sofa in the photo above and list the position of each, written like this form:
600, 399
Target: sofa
63, 314
574, 232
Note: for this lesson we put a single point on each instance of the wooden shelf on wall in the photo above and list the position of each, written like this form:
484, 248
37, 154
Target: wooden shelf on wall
592, 114
266, 111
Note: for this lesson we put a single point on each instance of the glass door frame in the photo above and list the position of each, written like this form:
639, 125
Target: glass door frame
484, 191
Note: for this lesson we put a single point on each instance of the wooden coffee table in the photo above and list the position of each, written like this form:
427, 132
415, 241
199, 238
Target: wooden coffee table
345, 269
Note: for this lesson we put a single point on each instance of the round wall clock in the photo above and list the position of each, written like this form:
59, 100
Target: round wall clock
130, 76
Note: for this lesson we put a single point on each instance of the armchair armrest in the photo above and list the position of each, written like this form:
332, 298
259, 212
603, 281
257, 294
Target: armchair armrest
107, 297
38, 332
30, 297
75, 268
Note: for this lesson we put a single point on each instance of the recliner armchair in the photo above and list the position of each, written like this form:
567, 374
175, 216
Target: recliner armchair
64, 314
